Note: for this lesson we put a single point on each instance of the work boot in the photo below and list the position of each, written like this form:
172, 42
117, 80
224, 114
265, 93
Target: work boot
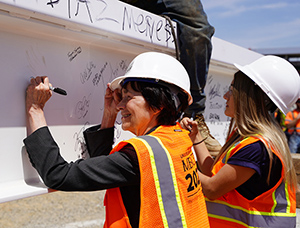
212, 145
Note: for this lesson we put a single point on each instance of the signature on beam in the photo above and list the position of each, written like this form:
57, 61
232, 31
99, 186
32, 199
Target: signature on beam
82, 107
80, 145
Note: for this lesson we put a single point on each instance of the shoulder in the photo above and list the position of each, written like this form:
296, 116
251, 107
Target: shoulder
252, 156
253, 150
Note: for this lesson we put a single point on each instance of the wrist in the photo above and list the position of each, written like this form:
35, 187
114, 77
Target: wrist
108, 120
34, 110
199, 142
198, 139
35, 119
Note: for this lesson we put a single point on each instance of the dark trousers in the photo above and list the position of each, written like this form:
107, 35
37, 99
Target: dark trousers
194, 37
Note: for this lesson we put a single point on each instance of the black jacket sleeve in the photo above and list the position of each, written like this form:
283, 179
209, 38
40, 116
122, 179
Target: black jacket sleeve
97, 173
99, 142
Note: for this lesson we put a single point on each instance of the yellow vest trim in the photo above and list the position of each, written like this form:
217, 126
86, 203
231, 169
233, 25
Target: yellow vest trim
233, 146
157, 184
156, 181
228, 219
275, 202
288, 208
175, 184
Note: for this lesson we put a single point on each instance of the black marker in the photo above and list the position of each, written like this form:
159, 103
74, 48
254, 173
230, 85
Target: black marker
58, 90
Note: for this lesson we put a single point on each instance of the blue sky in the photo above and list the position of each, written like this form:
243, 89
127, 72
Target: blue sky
256, 24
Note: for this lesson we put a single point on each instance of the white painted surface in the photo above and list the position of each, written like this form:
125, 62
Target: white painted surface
81, 52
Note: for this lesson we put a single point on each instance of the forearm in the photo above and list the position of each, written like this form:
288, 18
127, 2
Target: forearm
35, 119
228, 178
204, 159
108, 120
92, 174
207, 188
99, 142
44, 155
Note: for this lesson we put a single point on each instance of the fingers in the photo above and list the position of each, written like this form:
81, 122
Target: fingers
117, 95
40, 80
45, 80
185, 123
32, 80
189, 124
108, 91
38, 92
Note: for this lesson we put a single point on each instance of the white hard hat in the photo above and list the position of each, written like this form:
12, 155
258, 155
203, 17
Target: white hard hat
277, 77
158, 66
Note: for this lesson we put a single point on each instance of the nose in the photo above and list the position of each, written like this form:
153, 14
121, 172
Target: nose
122, 104
226, 95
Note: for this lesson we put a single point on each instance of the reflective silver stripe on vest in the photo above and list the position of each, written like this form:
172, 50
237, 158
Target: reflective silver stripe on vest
278, 218
165, 182
280, 197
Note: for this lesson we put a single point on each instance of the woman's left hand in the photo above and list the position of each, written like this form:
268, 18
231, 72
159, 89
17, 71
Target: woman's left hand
192, 126
111, 101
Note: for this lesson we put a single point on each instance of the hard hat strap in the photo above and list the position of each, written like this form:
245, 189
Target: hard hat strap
132, 79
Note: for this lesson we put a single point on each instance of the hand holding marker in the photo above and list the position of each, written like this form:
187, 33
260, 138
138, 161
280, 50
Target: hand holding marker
58, 90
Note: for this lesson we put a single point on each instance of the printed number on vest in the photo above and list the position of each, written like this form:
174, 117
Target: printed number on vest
194, 180
190, 167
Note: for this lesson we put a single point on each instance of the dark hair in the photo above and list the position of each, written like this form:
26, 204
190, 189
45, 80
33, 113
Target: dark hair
159, 97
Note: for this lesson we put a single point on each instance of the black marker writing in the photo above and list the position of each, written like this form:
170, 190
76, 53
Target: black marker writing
82, 107
74, 53
87, 73
80, 145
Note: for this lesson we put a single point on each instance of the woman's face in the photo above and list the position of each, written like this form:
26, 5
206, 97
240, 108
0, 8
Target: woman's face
229, 110
137, 117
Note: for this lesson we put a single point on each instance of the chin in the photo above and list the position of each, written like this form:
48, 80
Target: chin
126, 127
228, 114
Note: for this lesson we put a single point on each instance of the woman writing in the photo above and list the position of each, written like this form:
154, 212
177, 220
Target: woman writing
146, 181
252, 181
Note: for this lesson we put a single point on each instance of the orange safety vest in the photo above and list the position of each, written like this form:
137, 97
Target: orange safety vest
170, 191
274, 208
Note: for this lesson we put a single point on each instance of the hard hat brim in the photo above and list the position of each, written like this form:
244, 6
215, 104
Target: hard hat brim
116, 84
